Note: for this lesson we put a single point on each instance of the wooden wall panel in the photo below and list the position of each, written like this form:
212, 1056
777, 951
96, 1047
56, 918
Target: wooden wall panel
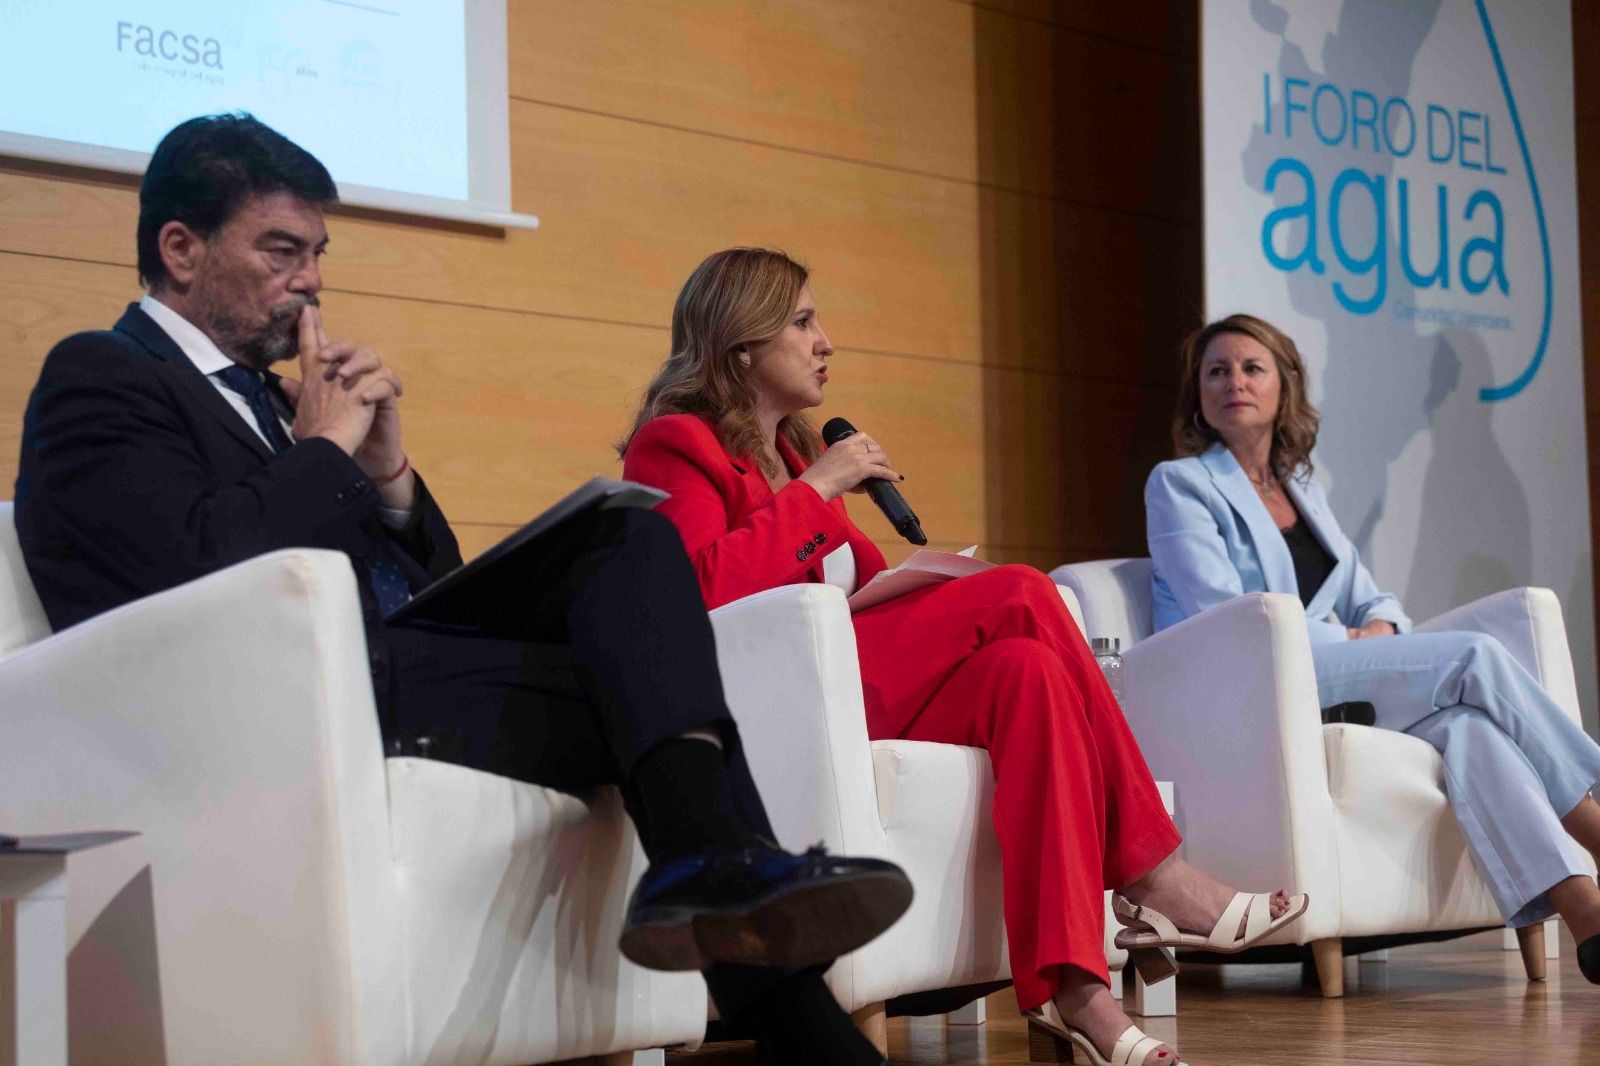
1153, 25
68, 214
1070, 289
634, 207
1591, 398
1067, 458
961, 92
1081, 118
886, 82
629, 210
41, 301
1585, 47
1586, 41
1587, 143
1586, 105
1117, 432
506, 411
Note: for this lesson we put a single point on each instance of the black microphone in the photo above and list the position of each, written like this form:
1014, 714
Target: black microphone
883, 493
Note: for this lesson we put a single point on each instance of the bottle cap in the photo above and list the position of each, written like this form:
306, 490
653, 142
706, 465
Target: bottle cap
1105, 645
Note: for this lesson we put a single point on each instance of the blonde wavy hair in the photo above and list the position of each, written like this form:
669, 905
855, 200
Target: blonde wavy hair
1294, 431
735, 298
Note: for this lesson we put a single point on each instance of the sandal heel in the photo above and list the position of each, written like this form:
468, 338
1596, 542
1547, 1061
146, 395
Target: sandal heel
1046, 1046
1153, 964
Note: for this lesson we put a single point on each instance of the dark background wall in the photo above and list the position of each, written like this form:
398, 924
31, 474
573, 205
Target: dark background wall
1586, 89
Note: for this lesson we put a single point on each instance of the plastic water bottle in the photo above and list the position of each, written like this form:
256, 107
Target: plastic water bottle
1108, 653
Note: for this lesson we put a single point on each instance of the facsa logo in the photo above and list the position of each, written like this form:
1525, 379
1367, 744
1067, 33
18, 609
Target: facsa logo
169, 45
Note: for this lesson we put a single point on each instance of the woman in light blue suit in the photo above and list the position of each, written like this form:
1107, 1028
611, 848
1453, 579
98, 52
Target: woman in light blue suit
1239, 513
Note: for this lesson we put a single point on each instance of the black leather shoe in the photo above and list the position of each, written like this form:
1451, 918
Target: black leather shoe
760, 906
1589, 959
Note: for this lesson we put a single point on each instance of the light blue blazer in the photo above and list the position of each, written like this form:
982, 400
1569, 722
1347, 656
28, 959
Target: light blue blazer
1211, 539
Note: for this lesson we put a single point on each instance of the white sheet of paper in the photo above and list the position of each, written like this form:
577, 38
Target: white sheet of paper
923, 568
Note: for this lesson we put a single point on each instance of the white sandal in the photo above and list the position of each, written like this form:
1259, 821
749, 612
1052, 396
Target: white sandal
1151, 931
1051, 1040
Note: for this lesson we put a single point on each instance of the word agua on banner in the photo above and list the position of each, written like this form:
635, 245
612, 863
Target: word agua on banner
1356, 121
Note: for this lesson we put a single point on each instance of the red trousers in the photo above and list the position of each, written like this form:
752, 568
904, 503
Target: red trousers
995, 661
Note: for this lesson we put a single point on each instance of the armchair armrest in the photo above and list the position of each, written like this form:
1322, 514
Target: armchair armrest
1528, 622
231, 721
793, 681
1074, 608
1224, 705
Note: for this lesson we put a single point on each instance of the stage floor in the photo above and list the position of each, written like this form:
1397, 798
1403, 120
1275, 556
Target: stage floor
1463, 1002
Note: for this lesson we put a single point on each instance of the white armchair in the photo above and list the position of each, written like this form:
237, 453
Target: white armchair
313, 902
1225, 705
789, 666
307, 900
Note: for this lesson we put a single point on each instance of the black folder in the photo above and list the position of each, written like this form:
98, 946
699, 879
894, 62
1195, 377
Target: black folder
458, 599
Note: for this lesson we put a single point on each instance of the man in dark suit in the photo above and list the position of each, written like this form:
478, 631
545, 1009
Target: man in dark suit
165, 448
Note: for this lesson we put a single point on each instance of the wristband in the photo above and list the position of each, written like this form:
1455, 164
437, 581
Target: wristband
405, 464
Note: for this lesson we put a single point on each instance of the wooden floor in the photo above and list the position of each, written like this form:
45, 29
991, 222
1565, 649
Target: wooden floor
1462, 1003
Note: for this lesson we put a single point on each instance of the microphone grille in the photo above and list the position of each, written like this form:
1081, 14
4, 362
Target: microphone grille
836, 430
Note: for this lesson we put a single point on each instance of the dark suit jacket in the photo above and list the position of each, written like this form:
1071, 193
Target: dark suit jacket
136, 476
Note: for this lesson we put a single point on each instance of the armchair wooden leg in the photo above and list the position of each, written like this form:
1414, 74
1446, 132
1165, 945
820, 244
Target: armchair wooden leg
974, 1013
1159, 1000
874, 1025
1329, 957
1552, 939
1530, 938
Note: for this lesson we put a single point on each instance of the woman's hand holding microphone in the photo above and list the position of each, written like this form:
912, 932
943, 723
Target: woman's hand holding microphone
844, 466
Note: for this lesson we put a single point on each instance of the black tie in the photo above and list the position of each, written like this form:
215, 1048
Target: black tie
388, 581
248, 383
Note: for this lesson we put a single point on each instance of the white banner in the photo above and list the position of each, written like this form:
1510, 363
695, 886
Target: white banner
1393, 185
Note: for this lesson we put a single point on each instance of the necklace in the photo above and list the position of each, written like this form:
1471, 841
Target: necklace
1267, 486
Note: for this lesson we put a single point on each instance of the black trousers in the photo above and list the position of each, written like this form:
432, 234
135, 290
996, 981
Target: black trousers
590, 654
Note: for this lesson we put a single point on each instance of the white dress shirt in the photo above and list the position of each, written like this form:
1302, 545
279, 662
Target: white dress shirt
839, 568
207, 358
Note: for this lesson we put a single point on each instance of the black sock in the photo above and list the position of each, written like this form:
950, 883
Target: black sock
686, 806
799, 1023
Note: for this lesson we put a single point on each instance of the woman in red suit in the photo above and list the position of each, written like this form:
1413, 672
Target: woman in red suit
993, 660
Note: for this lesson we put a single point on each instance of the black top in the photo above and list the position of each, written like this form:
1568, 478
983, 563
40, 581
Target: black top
1312, 562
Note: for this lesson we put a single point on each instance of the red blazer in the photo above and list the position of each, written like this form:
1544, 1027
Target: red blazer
741, 536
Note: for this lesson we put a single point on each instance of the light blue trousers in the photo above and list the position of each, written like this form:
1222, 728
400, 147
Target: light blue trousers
1514, 763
